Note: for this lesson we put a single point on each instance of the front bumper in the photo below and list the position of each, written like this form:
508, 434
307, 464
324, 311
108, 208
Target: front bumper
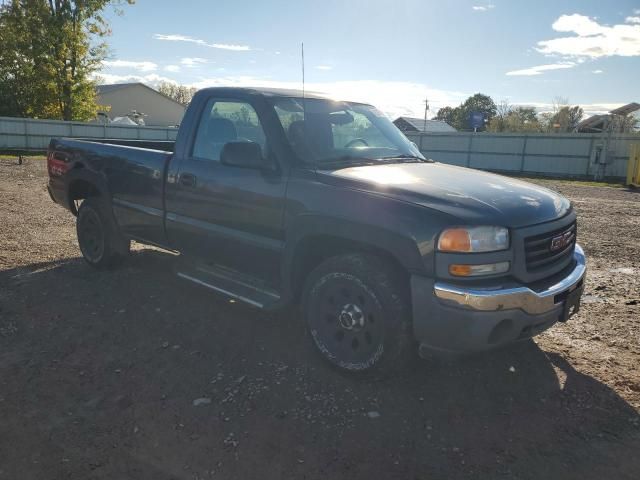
459, 319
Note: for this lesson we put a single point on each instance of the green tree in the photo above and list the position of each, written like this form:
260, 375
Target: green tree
448, 115
478, 103
51, 51
25, 85
180, 93
459, 116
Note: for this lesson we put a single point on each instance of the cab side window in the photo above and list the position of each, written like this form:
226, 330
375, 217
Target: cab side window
225, 121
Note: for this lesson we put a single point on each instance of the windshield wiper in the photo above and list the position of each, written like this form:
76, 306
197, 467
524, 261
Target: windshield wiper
348, 160
404, 156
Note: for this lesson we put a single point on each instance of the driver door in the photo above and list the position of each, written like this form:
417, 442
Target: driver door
227, 215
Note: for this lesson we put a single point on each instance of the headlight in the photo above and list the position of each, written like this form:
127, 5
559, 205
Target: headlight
473, 239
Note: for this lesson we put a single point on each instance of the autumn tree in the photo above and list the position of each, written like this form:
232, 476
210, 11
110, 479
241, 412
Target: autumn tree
180, 93
563, 118
51, 51
514, 119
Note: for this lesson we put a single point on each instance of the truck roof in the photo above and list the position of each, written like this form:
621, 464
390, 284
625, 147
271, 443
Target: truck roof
271, 92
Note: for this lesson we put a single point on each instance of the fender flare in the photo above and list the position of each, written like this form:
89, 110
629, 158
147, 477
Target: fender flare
403, 249
90, 177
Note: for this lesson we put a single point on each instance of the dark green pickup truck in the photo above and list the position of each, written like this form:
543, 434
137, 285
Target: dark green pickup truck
275, 198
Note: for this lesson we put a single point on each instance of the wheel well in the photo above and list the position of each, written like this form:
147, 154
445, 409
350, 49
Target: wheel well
312, 251
80, 190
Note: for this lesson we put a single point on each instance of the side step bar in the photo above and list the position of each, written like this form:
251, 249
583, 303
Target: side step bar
234, 285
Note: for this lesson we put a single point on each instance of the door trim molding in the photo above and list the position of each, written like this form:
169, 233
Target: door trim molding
231, 233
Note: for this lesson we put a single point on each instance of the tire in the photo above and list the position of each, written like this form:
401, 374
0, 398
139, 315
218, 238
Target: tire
358, 314
101, 243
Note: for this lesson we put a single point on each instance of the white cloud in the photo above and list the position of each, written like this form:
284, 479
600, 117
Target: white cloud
172, 68
589, 108
193, 61
591, 39
597, 71
140, 66
393, 98
540, 69
198, 41
632, 20
323, 67
483, 8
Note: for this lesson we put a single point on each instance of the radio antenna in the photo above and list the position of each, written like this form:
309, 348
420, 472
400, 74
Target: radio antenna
304, 103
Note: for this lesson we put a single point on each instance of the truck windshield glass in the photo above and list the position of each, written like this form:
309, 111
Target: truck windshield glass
323, 131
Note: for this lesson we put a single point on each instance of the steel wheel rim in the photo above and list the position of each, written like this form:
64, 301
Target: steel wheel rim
346, 322
91, 236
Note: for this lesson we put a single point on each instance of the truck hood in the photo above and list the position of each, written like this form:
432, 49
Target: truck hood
473, 196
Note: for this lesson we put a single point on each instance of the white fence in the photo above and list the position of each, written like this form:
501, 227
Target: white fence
560, 155
28, 134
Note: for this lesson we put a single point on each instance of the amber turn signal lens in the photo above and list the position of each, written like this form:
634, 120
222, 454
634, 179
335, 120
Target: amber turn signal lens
475, 270
460, 270
455, 240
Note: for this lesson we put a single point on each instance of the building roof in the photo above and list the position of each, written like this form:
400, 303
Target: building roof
102, 89
597, 123
593, 123
419, 125
112, 87
626, 109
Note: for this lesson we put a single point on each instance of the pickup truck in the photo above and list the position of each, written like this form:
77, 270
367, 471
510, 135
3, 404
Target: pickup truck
277, 198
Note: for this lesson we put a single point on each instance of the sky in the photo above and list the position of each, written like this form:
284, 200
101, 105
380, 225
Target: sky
392, 54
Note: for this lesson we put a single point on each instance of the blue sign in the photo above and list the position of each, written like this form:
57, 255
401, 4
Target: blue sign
476, 120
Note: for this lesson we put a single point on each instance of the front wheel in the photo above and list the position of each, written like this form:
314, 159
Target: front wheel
357, 313
100, 241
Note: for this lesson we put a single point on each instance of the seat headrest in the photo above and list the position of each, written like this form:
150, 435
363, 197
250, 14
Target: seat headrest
221, 130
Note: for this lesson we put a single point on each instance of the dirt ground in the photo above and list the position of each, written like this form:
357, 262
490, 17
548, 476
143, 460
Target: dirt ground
135, 374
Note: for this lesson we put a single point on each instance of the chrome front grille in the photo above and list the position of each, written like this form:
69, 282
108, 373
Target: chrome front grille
546, 249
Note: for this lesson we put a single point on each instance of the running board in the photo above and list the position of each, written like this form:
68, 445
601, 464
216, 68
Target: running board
239, 287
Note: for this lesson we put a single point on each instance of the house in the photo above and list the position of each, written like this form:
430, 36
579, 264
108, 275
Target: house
413, 125
137, 100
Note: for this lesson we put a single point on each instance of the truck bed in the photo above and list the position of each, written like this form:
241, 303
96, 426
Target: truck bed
161, 145
130, 172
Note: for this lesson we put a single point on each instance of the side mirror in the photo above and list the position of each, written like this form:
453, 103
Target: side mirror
242, 154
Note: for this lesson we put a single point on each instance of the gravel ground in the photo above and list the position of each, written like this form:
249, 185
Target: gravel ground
134, 374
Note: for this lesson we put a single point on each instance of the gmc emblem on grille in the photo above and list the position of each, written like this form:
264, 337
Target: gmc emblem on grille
561, 241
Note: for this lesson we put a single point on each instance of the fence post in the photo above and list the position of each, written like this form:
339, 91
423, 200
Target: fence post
524, 152
469, 149
26, 133
593, 139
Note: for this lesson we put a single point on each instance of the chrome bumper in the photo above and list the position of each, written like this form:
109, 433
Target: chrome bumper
513, 297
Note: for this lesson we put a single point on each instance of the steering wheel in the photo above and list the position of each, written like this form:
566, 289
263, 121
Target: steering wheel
350, 143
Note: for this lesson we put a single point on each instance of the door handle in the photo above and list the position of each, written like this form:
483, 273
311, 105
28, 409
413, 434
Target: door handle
188, 179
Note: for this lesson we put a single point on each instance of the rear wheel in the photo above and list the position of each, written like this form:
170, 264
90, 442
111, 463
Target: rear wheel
357, 313
100, 241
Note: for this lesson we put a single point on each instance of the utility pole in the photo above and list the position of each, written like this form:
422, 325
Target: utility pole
426, 109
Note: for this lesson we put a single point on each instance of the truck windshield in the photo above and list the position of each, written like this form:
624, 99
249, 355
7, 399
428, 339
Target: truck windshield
325, 132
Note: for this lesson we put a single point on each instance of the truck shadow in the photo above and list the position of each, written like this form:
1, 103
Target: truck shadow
127, 351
